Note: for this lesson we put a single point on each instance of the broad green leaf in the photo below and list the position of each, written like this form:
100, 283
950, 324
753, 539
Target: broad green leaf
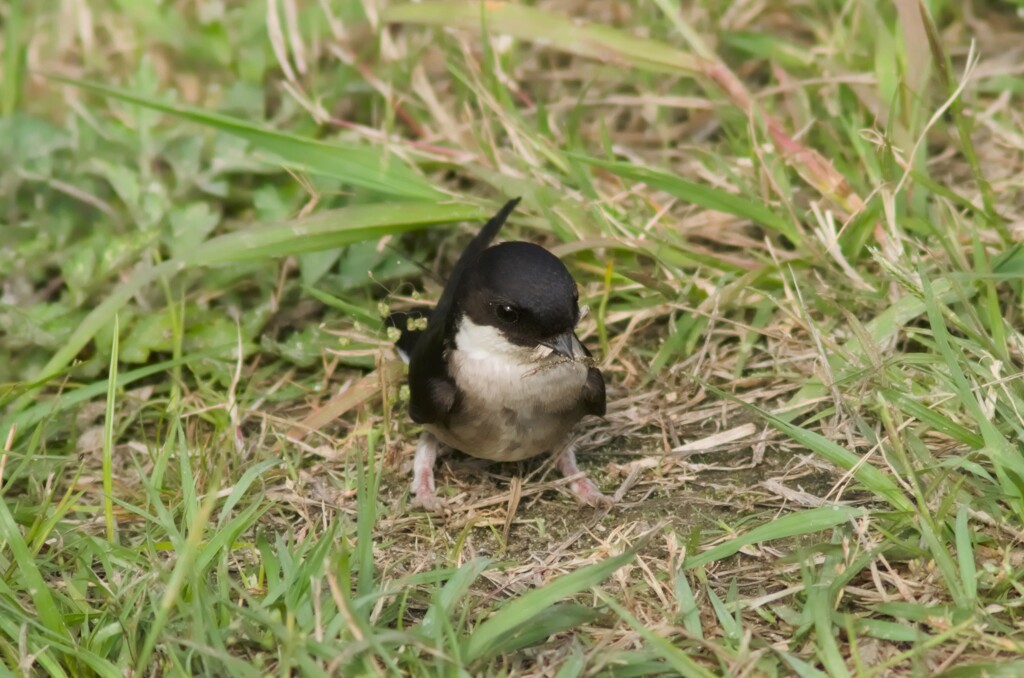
361, 166
190, 226
102, 315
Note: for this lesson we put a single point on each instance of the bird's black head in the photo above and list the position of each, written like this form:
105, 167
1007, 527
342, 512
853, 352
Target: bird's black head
523, 291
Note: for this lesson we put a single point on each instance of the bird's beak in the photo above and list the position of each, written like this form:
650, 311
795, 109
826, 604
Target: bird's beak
562, 344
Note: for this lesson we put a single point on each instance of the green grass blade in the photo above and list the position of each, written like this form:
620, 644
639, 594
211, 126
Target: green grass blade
546, 623
530, 23
574, 665
869, 476
965, 556
791, 525
14, 32
688, 608
933, 419
799, 666
881, 330
866, 474
708, 197
521, 610
360, 166
226, 535
369, 485
1005, 669
675, 657
367, 316
338, 227
731, 629
103, 314
1005, 458
108, 439
72, 398
821, 612
182, 569
32, 580
242, 486
444, 600
46, 647
329, 229
882, 629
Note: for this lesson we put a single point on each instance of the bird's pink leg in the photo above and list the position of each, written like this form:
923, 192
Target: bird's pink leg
423, 473
583, 489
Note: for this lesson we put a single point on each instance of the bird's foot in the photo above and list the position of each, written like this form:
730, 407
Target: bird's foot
587, 494
423, 488
423, 492
583, 489
428, 500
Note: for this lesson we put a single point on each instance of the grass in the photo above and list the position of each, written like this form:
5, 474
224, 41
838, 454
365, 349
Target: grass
797, 228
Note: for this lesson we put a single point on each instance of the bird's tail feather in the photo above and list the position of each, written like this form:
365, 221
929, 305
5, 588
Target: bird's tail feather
413, 323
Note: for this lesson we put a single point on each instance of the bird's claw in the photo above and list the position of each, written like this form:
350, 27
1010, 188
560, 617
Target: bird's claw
426, 499
587, 494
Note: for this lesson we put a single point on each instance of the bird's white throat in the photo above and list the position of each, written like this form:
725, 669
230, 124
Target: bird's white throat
494, 373
484, 342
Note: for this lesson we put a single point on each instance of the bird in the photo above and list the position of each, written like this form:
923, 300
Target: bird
498, 372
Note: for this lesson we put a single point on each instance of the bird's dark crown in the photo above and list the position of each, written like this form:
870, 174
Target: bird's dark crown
523, 290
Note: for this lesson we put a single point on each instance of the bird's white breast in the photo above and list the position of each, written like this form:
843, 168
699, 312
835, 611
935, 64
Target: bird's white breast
517, 401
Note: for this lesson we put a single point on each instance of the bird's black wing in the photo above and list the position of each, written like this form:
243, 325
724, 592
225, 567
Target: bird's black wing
593, 396
432, 392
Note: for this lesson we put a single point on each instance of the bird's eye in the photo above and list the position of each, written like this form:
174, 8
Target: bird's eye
506, 313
